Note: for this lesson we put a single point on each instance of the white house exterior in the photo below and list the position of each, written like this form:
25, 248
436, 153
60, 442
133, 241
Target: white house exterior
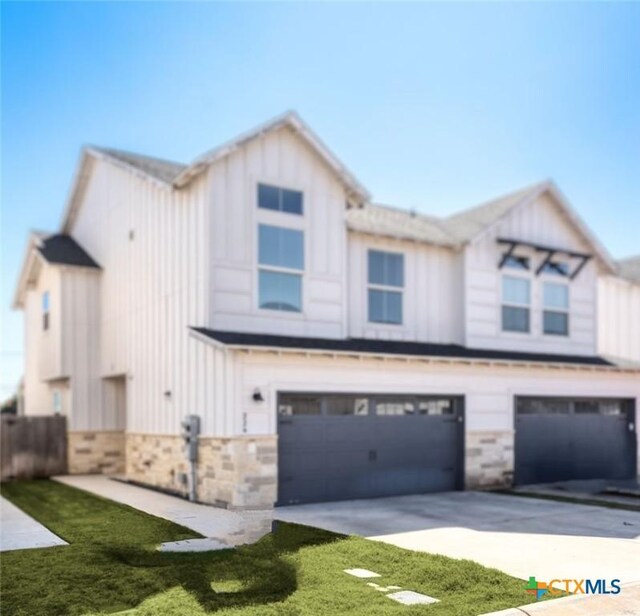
332, 347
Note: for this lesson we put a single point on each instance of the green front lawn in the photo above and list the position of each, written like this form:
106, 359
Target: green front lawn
111, 565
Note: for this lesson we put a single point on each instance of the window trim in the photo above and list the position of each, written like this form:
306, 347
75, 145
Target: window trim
279, 269
386, 288
557, 281
509, 304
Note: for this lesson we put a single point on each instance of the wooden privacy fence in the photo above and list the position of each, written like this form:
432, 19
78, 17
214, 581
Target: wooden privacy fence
32, 446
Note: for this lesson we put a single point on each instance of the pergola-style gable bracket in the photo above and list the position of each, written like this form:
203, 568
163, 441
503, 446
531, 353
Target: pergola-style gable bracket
550, 252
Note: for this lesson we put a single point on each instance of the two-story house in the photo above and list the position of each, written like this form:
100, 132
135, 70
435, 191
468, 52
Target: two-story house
332, 348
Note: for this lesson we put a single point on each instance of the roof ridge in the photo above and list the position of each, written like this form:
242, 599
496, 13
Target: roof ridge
530, 188
116, 151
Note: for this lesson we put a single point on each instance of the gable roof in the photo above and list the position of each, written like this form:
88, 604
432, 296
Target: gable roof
61, 249
629, 268
467, 225
293, 121
158, 168
55, 249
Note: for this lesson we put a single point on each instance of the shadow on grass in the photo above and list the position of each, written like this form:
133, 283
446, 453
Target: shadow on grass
248, 575
112, 565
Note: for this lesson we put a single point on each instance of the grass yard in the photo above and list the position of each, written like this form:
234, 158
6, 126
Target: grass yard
111, 566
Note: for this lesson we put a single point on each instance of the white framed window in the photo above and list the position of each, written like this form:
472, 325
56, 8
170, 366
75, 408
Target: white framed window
280, 199
555, 313
45, 311
516, 304
57, 402
280, 268
385, 286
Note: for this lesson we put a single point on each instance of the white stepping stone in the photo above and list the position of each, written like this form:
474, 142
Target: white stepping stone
205, 544
361, 573
409, 597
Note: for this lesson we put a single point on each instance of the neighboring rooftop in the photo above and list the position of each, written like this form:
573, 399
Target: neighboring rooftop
62, 249
629, 268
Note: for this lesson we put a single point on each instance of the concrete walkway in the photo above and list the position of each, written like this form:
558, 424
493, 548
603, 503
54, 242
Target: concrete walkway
228, 528
521, 536
627, 603
19, 531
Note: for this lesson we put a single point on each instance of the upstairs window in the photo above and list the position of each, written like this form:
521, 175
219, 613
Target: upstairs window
555, 316
386, 282
45, 310
279, 199
556, 268
516, 262
516, 303
281, 266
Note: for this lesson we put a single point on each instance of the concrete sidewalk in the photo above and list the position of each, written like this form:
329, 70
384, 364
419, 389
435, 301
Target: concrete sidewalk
230, 528
19, 531
627, 603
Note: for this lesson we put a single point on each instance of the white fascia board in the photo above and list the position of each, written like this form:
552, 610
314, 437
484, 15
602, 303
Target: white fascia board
432, 359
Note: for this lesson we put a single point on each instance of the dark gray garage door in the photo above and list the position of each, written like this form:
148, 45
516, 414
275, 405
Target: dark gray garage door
336, 447
558, 439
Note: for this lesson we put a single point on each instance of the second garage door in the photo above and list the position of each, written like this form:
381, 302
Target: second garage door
560, 439
337, 447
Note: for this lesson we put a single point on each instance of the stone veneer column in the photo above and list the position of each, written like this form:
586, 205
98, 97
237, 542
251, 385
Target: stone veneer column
239, 472
489, 459
236, 472
96, 452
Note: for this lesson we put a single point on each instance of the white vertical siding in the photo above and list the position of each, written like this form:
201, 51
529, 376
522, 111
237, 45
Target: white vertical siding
281, 159
619, 318
538, 222
430, 292
152, 243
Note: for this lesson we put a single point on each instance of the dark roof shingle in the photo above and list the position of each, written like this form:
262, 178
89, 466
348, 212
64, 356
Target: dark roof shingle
392, 347
62, 249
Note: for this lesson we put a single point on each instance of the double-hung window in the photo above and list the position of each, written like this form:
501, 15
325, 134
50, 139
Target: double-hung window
555, 314
280, 268
45, 310
516, 304
386, 284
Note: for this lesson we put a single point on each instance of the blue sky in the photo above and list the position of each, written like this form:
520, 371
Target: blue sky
433, 106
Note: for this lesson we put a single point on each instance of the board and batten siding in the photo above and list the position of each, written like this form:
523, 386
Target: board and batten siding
153, 244
432, 291
539, 222
489, 390
41, 349
619, 318
279, 158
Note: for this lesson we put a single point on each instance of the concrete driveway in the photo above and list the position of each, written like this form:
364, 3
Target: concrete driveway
521, 536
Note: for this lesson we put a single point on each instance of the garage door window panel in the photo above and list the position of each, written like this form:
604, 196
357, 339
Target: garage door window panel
347, 405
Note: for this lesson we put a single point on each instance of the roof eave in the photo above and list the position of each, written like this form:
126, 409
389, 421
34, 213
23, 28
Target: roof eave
294, 121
